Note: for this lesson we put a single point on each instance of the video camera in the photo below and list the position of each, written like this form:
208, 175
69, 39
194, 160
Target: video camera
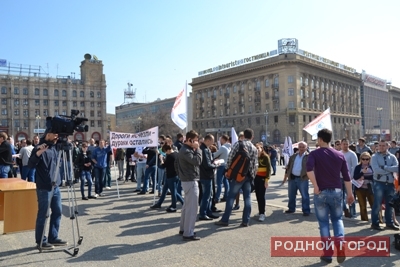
66, 125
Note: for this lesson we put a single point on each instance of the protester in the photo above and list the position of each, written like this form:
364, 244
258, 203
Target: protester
351, 161
119, 158
261, 180
222, 154
99, 157
24, 154
84, 164
5, 156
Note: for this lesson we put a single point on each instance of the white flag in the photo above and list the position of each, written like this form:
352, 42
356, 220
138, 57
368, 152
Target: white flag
178, 113
234, 136
319, 123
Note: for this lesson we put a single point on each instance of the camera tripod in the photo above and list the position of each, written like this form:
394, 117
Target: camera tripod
65, 149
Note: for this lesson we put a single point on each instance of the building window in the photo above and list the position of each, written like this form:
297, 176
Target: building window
45, 92
99, 104
302, 104
16, 91
3, 111
267, 83
3, 90
16, 102
98, 95
74, 104
91, 123
250, 109
56, 103
228, 90
275, 119
37, 102
16, 112
98, 113
92, 113
56, 112
234, 88
74, 94
45, 112
290, 91
64, 103
92, 95
25, 102
92, 104
266, 95
291, 105
56, 92
37, 112
64, 112
4, 101
82, 103
290, 79
16, 123
45, 102
306, 81
64, 93
25, 91
37, 91
276, 81
26, 123
82, 94
26, 113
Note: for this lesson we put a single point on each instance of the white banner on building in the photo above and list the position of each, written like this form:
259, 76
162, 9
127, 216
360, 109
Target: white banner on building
148, 138
319, 123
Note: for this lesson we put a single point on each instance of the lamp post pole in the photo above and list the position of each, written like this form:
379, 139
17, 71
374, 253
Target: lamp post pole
38, 123
380, 121
266, 126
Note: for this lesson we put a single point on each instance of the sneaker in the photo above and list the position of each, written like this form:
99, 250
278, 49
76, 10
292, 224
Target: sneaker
46, 246
96, 195
59, 242
102, 195
191, 238
171, 209
92, 197
85, 198
261, 218
137, 190
236, 207
108, 188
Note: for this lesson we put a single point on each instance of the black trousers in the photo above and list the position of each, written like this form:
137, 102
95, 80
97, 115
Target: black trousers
259, 188
130, 172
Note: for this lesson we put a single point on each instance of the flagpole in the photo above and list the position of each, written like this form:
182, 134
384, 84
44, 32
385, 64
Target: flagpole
187, 104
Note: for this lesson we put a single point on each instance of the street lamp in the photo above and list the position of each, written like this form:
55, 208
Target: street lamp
266, 126
38, 123
380, 121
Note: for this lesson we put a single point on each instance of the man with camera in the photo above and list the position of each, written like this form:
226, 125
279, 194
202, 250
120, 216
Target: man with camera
44, 159
384, 165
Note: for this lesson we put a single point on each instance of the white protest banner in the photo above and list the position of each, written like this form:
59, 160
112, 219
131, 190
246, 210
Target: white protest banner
319, 123
147, 138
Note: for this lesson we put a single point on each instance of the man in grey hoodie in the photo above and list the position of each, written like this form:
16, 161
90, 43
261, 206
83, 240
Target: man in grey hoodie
222, 153
187, 165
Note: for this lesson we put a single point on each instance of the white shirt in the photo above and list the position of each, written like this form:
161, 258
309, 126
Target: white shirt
351, 161
296, 171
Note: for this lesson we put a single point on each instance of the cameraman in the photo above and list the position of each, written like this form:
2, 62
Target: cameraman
44, 160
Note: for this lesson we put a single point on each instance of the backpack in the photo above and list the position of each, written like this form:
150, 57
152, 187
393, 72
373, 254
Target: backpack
240, 165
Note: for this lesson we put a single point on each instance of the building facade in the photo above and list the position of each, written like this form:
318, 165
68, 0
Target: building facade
394, 101
278, 96
375, 108
28, 97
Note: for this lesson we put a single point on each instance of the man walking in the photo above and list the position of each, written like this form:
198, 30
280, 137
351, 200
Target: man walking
324, 166
296, 172
189, 160
384, 164
245, 185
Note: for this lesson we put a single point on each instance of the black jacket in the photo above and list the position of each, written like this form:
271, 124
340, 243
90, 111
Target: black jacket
82, 159
357, 173
206, 167
46, 165
6, 154
128, 153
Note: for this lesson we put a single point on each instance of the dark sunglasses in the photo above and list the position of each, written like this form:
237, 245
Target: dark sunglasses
364, 159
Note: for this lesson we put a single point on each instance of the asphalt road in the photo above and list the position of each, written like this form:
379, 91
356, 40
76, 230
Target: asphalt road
125, 232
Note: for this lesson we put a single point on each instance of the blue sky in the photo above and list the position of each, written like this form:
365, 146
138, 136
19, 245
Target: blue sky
159, 45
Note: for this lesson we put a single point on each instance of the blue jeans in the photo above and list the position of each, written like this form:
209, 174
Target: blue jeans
86, 175
100, 176
205, 205
107, 180
221, 180
327, 204
171, 184
55, 217
302, 186
233, 191
160, 178
352, 207
150, 172
4, 170
140, 170
382, 191
273, 165
28, 174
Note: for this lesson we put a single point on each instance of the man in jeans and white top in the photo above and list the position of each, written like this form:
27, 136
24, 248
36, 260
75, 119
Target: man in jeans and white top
222, 153
324, 166
384, 164
352, 162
